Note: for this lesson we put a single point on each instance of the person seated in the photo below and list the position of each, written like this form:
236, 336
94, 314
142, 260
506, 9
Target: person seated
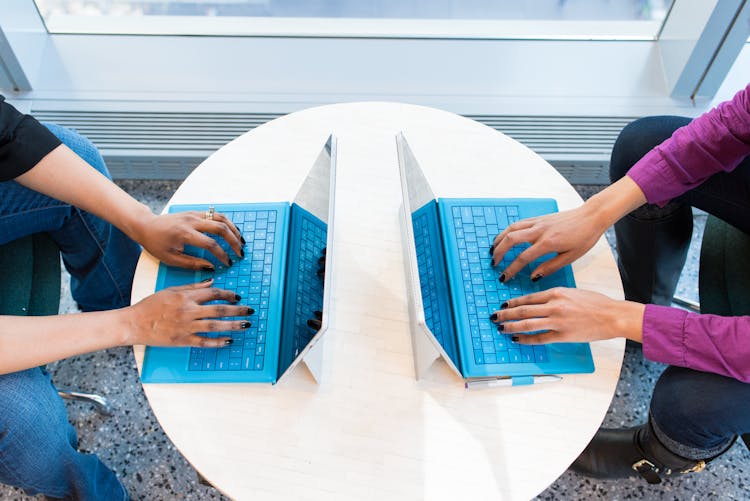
54, 180
660, 167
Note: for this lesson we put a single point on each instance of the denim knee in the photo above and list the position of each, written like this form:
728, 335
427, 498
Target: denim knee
34, 432
638, 138
700, 410
81, 145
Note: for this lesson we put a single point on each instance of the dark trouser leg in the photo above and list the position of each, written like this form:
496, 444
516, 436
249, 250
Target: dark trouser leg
698, 414
652, 242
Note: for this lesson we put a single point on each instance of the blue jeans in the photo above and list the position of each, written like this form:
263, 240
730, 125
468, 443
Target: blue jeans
695, 414
37, 443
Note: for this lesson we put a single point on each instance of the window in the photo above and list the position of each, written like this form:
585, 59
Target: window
483, 19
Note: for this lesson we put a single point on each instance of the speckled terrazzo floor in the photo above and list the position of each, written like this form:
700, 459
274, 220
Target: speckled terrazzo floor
134, 445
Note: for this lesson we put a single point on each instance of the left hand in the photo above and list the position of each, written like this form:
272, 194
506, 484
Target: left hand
165, 237
569, 315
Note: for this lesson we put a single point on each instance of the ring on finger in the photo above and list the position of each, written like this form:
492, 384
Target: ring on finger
209, 214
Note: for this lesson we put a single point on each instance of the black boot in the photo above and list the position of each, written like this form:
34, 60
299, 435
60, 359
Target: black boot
621, 453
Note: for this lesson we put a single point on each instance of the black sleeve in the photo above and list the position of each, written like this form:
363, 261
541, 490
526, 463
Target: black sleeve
23, 142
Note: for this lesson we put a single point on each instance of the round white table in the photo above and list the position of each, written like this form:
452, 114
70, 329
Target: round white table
370, 430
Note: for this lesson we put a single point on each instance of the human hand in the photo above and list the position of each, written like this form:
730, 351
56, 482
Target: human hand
569, 315
173, 316
165, 237
569, 233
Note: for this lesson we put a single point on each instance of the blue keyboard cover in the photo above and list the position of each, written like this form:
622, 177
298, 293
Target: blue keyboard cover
259, 279
469, 227
304, 288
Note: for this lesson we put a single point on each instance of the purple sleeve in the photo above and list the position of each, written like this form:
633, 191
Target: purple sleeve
708, 343
716, 141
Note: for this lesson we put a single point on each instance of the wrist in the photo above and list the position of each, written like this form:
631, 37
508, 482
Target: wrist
611, 204
137, 220
126, 327
628, 320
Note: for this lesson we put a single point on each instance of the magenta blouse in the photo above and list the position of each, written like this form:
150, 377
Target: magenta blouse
716, 141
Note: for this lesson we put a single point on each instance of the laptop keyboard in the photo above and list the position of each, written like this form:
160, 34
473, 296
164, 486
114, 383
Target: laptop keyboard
475, 228
251, 279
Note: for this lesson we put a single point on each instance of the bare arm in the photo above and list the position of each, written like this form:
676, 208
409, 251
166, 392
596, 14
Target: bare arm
65, 176
171, 317
569, 233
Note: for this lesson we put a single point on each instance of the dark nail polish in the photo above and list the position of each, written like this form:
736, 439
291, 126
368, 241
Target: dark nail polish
321, 272
208, 268
228, 341
502, 278
242, 253
492, 249
514, 338
321, 260
237, 297
500, 327
504, 305
537, 277
493, 317
242, 239
492, 263
205, 280
250, 311
318, 314
314, 324
231, 262
245, 325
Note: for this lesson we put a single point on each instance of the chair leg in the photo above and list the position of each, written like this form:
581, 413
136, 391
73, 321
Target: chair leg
100, 403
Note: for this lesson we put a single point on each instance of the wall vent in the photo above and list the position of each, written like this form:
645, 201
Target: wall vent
155, 145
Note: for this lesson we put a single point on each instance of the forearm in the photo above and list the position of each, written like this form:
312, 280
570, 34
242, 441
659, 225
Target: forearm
27, 342
63, 175
614, 202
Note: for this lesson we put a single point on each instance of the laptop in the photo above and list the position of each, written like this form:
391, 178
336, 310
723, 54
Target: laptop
282, 277
453, 289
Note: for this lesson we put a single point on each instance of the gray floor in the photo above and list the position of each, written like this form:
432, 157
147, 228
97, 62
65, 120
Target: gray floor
134, 445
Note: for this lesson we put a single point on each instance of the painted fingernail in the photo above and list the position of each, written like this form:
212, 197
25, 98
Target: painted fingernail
250, 311
314, 324
242, 253
242, 239
502, 278
228, 341
321, 260
245, 325
537, 277
504, 305
501, 327
206, 280
237, 297
321, 272
493, 317
514, 338
231, 262
208, 268
492, 249
318, 314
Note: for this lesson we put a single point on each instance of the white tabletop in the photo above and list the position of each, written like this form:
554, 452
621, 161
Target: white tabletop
370, 430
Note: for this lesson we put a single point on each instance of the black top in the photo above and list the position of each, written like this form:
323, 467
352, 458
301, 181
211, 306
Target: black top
23, 141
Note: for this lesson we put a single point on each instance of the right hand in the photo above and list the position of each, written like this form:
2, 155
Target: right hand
174, 316
570, 234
